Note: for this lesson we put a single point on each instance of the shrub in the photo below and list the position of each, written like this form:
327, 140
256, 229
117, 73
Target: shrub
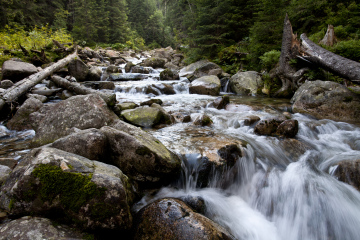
270, 59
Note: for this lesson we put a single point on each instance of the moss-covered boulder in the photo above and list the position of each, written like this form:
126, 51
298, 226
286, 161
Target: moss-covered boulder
169, 74
143, 116
141, 156
91, 194
325, 99
20, 121
207, 85
172, 219
30, 228
61, 119
155, 62
203, 120
124, 106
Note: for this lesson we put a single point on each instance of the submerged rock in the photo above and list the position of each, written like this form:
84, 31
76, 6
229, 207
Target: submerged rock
330, 100
172, 219
245, 83
208, 85
91, 194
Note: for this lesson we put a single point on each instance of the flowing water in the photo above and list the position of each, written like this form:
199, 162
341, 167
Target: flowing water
279, 189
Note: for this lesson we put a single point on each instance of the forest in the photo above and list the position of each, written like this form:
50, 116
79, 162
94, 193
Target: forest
236, 34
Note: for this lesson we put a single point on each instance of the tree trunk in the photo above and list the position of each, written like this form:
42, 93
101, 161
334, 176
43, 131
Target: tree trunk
22, 87
329, 39
330, 61
77, 88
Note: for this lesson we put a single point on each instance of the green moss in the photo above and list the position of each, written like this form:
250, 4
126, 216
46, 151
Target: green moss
11, 204
73, 189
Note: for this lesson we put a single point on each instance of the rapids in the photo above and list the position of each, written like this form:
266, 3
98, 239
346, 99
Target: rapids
274, 191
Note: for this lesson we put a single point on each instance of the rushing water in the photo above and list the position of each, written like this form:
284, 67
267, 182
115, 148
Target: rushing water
276, 190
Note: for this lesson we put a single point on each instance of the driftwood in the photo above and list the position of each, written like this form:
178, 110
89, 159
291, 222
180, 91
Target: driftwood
77, 88
332, 62
22, 87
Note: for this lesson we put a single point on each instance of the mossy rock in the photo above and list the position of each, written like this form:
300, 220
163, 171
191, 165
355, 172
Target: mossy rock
143, 116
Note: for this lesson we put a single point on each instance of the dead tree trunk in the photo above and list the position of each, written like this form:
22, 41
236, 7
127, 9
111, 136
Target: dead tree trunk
329, 39
77, 88
22, 87
330, 61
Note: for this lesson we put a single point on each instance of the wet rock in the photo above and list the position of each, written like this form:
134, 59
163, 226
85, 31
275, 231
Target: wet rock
94, 74
78, 70
197, 203
113, 69
267, 127
172, 219
166, 117
16, 71
169, 74
82, 112
151, 90
324, 99
245, 83
9, 162
21, 121
141, 156
294, 149
30, 228
129, 66
230, 153
288, 128
151, 101
155, 62
124, 106
66, 94
220, 102
143, 116
106, 85
190, 69
4, 173
37, 96
250, 120
140, 69
171, 66
208, 69
119, 61
127, 76
203, 120
91, 194
348, 172
89, 143
165, 88
182, 117
113, 55
177, 59
208, 85
5, 84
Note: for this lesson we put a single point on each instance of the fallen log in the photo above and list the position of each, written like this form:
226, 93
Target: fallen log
332, 62
77, 88
22, 87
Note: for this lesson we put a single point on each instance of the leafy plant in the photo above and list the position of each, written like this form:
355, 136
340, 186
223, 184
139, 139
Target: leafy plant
270, 59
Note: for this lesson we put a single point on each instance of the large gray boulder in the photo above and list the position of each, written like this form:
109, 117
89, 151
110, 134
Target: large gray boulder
207, 85
245, 83
79, 70
325, 99
31, 228
143, 116
20, 121
172, 219
61, 119
208, 69
16, 71
141, 156
190, 69
94, 74
91, 194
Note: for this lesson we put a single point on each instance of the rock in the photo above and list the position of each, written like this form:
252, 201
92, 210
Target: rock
245, 83
66, 94
172, 219
82, 112
197, 203
177, 59
220, 102
267, 127
30, 228
9, 162
91, 194
89, 143
4, 173
78, 70
113, 55
113, 69
16, 71
348, 172
140, 69
171, 66
288, 128
154, 62
169, 74
5, 84
151, 90
106, 85
250, 120
41, 98
203, 120
124, 106
324, 99
208, 69
119, 61
182, 117
129, 66
21, 121
208, 85
190, 69
127, 76
143, 116
294, 149
151, 101
166, 117
94, 74
141, 156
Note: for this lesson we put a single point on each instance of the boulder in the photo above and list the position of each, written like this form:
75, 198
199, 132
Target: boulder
127, 76
203, 120
182, 117
4, 173
59, 120
169, 74
151, 101
165, 88
250, 120
113, 69
106, 85
113, 55
277, 127
171, 66
21, 121
90, 194
5, 84
325, 99
220, 102
208, 85
124, 106
348, 172
9, 162
30, 228
143, 116
208, 69
66, 94
245, 83
16, 70
190, 69
141, 156
129, 66
94, 74
267, 127
78, 69
177, 59
172, 219
166, 117
140, 69
155, 62
288, 128
41, 98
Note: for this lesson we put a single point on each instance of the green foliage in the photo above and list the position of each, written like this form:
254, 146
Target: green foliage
270, 59
349, 49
